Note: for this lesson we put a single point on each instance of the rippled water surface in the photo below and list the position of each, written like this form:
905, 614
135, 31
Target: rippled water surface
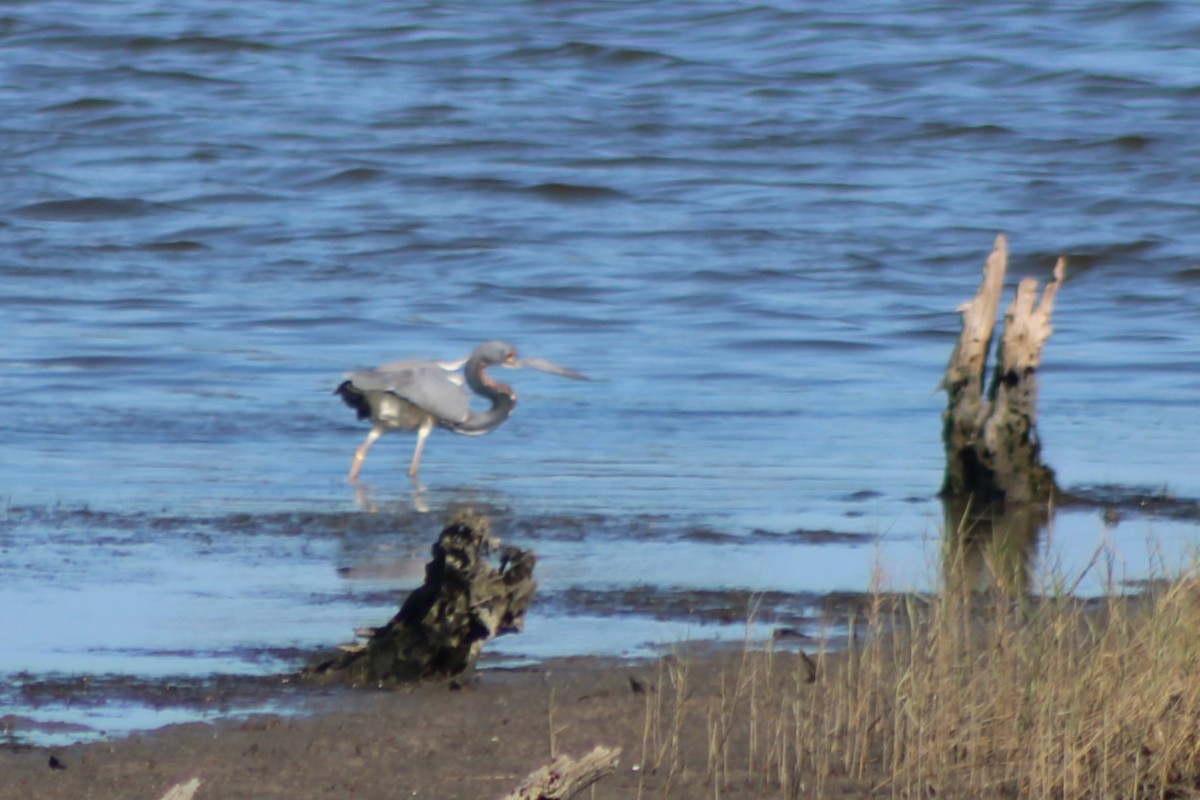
750, 223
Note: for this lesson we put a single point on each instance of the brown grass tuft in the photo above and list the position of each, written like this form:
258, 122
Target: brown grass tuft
959, 695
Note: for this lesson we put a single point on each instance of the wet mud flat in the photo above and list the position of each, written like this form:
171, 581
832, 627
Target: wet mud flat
134, 620
84, 701
501, 713
57, 710
427, 740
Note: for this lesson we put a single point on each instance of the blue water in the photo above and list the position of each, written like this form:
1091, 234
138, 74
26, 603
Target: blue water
750, 224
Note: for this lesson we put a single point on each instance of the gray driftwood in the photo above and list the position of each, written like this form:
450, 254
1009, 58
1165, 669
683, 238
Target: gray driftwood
993, 453
183, 791
566, 777
443, 624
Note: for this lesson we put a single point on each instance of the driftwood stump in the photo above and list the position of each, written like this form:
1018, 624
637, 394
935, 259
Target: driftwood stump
993, 454
443, 624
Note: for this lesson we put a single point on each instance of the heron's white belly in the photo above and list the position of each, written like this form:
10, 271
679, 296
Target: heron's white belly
396, 412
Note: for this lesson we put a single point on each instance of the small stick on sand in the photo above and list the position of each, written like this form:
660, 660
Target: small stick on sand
565, 777
183, 791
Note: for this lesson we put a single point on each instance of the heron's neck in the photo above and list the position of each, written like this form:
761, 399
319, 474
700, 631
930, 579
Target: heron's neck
502, 396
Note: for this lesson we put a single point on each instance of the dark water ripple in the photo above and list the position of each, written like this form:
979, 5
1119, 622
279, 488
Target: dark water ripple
749, 223
86, 209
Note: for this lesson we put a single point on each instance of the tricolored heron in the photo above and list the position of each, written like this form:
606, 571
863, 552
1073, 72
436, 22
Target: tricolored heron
417, 395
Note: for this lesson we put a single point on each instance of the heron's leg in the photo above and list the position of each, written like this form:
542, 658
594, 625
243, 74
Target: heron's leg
422, 434
360, 455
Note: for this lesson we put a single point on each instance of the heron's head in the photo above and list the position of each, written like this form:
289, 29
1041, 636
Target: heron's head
505, 355
496, 352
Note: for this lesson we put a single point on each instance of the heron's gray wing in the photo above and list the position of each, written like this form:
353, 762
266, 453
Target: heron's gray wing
448, 366
422, 383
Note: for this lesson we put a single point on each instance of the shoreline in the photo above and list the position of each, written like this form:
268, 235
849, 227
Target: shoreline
879, 716
279, 736
479, 740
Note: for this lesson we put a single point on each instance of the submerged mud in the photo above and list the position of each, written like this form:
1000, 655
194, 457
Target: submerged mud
1116, 502
725, 606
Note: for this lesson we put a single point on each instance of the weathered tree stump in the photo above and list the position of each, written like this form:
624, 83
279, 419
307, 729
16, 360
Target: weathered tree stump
993, 453
443, 624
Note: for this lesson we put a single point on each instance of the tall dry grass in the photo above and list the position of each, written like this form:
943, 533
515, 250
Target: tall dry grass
956, 695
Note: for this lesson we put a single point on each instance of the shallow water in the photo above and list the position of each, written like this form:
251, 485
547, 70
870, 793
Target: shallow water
750, 224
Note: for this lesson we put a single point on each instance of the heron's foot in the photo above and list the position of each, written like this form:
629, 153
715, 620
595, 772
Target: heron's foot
362, 498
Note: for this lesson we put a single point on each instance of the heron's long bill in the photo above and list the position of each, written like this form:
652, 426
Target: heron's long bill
542, 365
